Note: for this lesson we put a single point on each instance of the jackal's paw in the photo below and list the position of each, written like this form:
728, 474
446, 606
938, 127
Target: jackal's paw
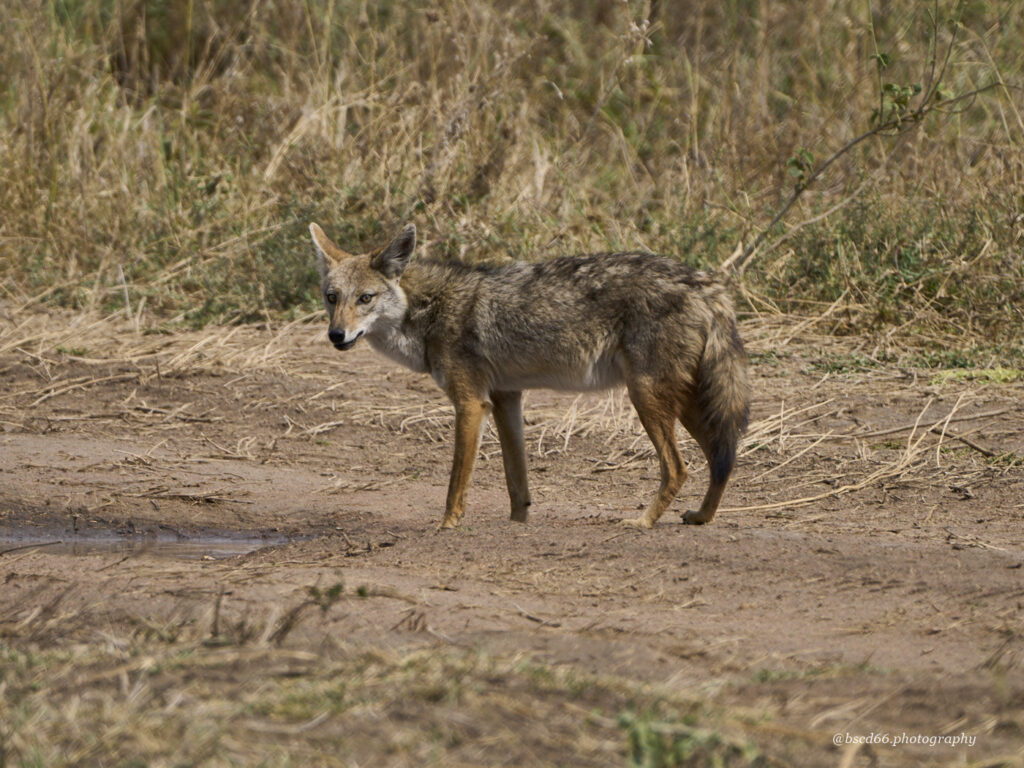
693, 517
636, 522
446, 525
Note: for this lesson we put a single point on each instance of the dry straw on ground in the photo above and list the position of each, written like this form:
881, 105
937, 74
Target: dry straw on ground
787, 439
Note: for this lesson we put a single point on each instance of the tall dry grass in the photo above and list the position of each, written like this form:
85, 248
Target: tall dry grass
167, 154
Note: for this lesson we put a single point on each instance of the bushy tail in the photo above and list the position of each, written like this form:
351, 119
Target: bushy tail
723, 391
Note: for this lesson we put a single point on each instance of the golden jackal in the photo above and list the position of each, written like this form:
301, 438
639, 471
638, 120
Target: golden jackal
485, 333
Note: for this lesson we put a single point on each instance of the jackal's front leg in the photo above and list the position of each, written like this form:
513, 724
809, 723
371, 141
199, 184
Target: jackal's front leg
469, 418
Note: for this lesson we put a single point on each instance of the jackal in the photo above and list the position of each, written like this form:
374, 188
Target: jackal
486, 333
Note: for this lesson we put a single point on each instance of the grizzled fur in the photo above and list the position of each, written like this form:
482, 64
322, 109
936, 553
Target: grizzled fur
485, 333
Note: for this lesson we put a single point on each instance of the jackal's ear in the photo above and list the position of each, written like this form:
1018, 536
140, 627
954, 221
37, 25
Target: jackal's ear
393, 258
327, 253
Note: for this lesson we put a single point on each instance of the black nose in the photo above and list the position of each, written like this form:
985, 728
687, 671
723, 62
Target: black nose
336, 337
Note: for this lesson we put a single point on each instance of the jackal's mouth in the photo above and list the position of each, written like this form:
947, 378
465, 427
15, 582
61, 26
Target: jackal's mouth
343, 345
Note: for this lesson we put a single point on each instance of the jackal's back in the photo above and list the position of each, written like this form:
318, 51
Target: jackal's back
578, 322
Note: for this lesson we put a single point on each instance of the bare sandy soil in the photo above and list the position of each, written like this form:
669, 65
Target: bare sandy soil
862, 583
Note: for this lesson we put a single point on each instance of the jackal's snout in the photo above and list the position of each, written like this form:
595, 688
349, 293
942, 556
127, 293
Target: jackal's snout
342, 340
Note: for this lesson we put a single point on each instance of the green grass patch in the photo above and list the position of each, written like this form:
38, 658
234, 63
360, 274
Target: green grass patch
844, 364
655, 743
1009, 459
983, 375
828, 671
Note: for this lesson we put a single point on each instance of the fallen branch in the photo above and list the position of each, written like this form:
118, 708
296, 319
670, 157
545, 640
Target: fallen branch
538, 619
31, 546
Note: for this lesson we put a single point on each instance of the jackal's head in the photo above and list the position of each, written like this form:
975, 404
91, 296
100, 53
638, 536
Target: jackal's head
361, 292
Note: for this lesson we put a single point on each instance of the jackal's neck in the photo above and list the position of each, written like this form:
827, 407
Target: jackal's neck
429, 285
401, 334
426, 286
395, 341
425, 281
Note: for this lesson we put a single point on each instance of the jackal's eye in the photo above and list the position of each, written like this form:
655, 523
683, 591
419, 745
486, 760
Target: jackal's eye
366, 298
332, 298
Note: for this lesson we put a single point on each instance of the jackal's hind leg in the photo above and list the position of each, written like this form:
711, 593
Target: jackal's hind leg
709, 506
720, 463
508, 418
660, 422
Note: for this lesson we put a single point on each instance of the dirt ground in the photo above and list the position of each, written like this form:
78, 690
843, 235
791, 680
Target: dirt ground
858, 600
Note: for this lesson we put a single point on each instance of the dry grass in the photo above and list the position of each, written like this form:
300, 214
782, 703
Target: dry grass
163, 158
161, 696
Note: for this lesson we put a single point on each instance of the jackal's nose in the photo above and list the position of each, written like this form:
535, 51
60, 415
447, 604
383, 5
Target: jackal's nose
342, 340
